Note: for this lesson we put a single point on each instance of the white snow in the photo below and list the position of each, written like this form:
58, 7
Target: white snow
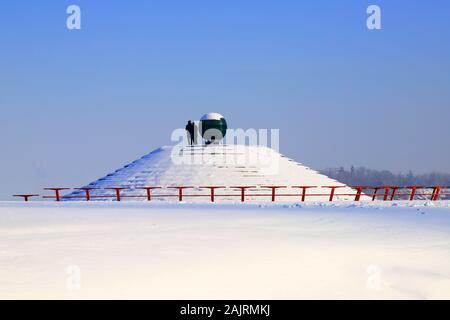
74, 250
212, 116
217, 165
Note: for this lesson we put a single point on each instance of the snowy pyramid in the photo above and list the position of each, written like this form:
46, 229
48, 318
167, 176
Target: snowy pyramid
214, 165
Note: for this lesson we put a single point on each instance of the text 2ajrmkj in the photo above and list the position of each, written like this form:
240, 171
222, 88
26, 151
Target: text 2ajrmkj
227, 310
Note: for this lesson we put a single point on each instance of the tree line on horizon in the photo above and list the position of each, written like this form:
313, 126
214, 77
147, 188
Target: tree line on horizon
369, 177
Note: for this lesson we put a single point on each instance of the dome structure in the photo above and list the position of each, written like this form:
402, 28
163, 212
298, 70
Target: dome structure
213, 127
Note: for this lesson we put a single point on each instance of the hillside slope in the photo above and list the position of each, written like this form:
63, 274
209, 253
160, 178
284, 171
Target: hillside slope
215, 165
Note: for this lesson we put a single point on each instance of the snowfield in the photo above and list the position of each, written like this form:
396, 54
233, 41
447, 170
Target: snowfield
128, 250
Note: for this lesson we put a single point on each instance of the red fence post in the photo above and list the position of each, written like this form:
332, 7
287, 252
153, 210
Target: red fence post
149, 191
243, 188
333, 189
359, 190
118, 198
304, 188
57, 192
88, 192
213, 189
387, 189
436, 192
375, 193
273, 188
413, 192
394, 192
180, 191
26, 196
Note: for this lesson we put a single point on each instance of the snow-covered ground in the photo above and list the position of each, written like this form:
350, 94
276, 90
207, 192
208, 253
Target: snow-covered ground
155, 251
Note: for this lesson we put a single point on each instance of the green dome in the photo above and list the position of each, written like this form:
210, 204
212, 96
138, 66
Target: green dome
213, 127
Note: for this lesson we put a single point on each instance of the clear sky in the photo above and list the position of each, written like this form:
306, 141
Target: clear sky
76, 105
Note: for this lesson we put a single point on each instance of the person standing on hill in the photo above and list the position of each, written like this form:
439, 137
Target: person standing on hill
190, 132
195, 128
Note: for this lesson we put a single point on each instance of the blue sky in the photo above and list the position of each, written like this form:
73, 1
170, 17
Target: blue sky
76, 105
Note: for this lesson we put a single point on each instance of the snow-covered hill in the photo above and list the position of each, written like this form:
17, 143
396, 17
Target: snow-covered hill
398, 250
215, 165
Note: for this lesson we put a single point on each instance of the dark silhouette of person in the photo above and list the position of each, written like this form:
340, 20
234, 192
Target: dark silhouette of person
195, 128
190, 132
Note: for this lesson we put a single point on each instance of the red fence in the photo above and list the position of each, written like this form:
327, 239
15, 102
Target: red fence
385, 193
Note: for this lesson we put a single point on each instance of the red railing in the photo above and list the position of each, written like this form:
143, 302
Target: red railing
389, 193
26, 197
